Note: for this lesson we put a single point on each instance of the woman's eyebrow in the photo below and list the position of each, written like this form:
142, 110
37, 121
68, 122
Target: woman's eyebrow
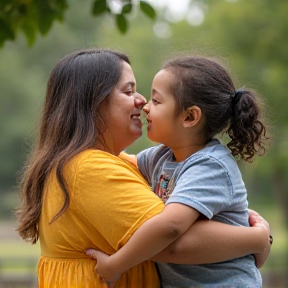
130, 83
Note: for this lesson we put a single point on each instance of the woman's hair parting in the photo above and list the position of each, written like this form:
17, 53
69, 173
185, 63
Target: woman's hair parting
70, 124
202, 82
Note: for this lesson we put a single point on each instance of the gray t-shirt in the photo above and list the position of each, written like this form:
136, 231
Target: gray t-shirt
210, 182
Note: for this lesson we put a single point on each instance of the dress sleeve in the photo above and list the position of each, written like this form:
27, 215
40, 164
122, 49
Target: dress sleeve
204, 185
114, 198
129, 157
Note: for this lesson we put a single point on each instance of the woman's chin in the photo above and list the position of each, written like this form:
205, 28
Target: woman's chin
137, 133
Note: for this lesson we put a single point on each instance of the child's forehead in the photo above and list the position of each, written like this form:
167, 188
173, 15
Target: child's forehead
163, 78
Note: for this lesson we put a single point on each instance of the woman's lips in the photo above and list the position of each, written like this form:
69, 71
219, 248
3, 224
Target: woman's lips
136, 119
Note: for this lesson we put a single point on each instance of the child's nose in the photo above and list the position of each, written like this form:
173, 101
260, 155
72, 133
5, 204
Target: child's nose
146, 108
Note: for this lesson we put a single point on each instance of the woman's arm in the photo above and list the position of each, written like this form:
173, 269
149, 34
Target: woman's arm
208, 241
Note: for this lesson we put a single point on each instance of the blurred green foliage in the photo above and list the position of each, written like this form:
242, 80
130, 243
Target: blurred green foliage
250, 36
37, 16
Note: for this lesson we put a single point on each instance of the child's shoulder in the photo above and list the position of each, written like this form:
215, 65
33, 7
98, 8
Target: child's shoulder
214, 149
215, 156
155, 151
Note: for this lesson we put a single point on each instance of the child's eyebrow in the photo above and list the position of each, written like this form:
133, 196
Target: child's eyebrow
154, 91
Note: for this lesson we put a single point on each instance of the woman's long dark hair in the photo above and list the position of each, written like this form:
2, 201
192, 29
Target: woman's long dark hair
70, 124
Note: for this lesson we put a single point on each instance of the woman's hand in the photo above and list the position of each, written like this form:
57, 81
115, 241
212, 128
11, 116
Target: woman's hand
102, 267
256, 220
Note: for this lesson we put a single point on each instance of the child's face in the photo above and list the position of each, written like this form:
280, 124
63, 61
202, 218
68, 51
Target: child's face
163, 124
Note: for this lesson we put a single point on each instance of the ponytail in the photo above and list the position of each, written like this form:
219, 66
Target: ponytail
246, 130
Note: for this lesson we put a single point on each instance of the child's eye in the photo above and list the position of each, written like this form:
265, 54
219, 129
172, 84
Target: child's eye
154, 101
129, 92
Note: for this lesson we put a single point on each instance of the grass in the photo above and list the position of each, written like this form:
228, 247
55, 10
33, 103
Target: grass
16, 256
18, 249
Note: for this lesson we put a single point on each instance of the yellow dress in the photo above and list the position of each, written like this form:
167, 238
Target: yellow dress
109, 200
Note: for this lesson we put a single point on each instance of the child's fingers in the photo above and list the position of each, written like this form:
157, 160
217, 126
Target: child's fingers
92, 253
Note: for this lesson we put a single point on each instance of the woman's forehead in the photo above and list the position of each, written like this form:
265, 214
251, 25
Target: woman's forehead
127, 75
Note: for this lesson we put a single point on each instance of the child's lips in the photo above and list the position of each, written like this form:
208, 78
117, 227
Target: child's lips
149, 125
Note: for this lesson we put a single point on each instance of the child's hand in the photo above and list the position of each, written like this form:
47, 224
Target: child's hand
102, 267
256, 220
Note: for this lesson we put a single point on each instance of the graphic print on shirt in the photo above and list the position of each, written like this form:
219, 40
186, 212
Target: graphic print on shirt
166, 178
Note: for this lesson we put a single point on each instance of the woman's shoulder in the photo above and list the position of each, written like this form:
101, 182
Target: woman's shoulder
97, 162
94, 156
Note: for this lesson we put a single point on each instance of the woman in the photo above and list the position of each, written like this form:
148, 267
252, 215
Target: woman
78, 193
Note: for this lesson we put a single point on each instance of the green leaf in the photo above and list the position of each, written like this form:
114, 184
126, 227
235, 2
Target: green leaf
127, 8
121, 23
30, 32
99, 7
48, 12
148, 10
61, 4
59, 7
6, 5
6, 32
46, 16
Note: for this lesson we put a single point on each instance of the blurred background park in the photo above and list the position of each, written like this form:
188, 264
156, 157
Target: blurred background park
250, 35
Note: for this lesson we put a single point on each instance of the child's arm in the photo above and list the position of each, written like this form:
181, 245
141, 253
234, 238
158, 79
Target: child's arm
210, 241
151, 238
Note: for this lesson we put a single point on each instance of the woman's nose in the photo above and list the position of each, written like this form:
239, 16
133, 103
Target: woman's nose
139, 100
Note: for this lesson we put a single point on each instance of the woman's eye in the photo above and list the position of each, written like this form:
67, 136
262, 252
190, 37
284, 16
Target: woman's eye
130, 92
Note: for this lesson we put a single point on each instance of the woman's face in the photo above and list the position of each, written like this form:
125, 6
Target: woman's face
121, 112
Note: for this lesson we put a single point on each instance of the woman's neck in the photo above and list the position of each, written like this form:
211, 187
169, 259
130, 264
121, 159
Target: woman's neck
109, 146
106, 147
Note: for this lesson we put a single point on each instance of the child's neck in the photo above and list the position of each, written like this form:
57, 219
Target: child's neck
182, 153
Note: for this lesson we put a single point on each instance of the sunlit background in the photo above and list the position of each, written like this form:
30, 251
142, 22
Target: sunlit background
250, 36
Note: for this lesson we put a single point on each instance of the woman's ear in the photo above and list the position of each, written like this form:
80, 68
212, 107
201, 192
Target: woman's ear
192, 116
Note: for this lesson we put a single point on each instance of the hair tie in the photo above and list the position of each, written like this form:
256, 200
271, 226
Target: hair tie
239, 93
236, 96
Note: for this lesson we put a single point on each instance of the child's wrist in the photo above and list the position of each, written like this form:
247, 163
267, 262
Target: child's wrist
264, 238
113, 265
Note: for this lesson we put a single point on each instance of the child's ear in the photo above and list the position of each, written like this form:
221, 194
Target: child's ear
192, 116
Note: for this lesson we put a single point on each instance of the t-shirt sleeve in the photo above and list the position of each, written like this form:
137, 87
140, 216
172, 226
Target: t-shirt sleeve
147, 161
204, 185
114, 198
146, 164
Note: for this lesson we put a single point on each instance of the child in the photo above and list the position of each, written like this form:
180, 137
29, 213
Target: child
194, 99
